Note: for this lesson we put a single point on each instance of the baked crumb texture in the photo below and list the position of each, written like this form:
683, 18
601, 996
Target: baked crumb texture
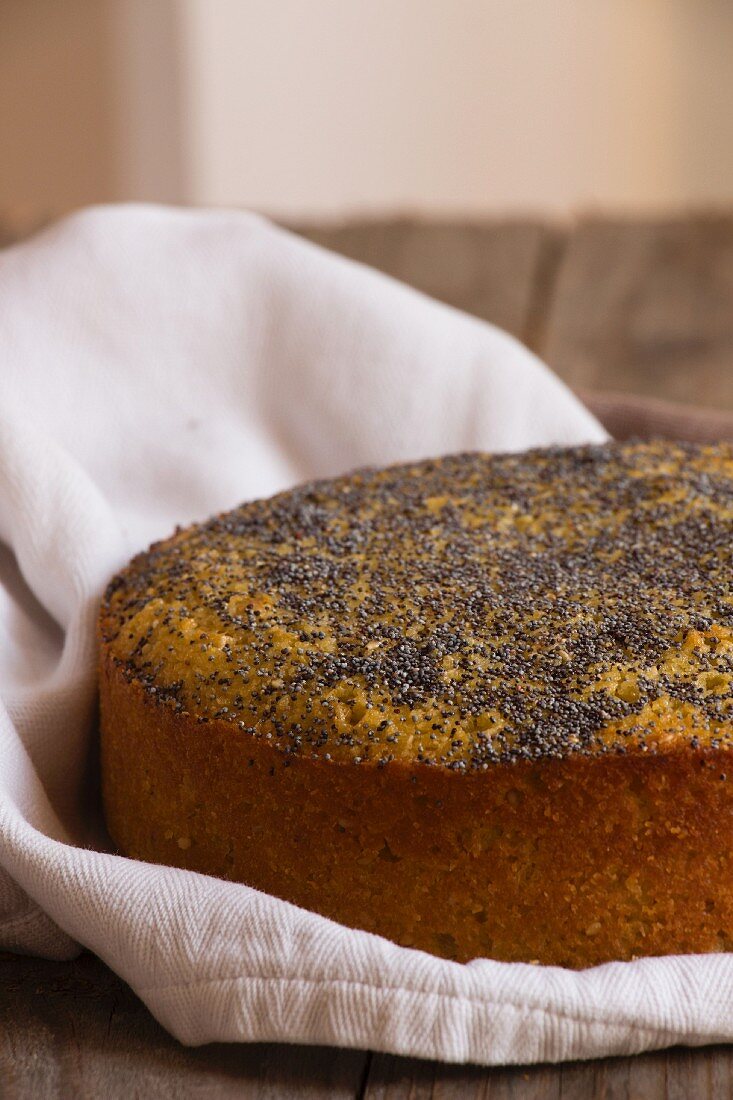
480, 705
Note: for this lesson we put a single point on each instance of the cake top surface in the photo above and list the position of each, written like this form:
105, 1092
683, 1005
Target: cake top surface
455, 612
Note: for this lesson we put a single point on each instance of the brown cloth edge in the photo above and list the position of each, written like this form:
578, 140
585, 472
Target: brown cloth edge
629, 416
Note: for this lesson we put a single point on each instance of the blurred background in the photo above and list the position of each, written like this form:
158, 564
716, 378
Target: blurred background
561, 167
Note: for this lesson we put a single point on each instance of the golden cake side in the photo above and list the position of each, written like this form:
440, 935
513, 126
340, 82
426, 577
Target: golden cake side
569, 862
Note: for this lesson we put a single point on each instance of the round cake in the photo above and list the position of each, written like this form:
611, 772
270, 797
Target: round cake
480, 705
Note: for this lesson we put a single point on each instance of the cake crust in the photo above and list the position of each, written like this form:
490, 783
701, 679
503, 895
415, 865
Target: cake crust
569, 862
479, 705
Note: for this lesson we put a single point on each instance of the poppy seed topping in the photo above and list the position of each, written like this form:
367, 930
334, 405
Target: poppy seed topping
456, 612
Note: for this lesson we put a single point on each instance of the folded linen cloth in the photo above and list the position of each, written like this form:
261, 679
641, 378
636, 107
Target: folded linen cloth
157, 366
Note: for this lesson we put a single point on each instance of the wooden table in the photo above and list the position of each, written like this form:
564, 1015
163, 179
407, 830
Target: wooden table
71, 1030
633, 307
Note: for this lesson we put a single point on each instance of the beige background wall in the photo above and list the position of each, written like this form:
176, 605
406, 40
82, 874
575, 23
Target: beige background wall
321, 107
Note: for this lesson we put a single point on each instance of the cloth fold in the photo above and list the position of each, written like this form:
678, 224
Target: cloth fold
157, 366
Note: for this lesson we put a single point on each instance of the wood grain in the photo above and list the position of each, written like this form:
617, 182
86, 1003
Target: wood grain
75, 1029
647, 307
675, 1074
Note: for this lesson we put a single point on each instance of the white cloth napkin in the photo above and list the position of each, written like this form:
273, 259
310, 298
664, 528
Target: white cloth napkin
157, 366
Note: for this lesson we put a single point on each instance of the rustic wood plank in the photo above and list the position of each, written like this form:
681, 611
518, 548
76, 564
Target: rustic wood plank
676, 1074
647, 307
490, 269
407, 1079
76, 1030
